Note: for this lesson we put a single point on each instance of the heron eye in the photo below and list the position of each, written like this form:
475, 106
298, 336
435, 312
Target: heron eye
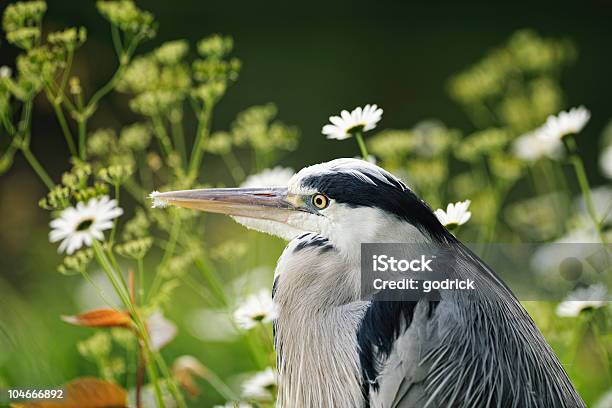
320, 201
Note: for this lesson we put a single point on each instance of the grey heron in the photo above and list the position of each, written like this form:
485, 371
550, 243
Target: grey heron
335, 349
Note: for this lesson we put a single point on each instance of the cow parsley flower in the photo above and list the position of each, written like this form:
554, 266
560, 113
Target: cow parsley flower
5, 72
532, 146
592, 297
455, 215
257, 308
566, 123
347, 124
261, 386
80, 225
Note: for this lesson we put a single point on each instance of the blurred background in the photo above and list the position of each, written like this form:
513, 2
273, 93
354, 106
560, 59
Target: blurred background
311, 60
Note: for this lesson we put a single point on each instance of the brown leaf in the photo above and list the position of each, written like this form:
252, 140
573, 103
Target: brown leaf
86, 392
100, 318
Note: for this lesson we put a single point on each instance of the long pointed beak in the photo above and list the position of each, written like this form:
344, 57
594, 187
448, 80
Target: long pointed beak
262, 203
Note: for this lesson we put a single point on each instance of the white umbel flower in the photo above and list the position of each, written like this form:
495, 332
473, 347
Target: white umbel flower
5, 72
456, 214
592, 297
566, 123
360, 119
257, 308
605, 162
234, 405
80, 225
276, 177
261, 386
535, 145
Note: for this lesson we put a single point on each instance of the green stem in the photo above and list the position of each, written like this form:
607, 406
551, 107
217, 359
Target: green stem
121, 290
175, 118
362, 146
162, 135
24, 126
255, 349
65, 129
140, 280
222, 388
108, 87
67, 69
82, 138
117, 40
176, 393
234, 167
202, 132
213, 281
98, 289
584, 185
168, 252
123, 293
35, 164
114, 230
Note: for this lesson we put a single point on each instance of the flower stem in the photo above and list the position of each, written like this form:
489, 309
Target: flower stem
168, 252
65, 129
82, 138
362, 146
140, 280
213, 281
38, 168
222, 388
111, 240
123, 293
578, 165
201, 134
162, 135
234, 167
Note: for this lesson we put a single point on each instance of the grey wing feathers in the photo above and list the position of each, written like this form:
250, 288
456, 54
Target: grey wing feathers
432, 365
402, 381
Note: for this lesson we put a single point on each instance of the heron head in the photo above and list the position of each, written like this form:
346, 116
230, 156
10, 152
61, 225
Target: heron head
348, 201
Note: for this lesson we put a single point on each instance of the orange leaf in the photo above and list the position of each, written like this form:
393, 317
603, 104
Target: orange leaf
85, 392
100, 318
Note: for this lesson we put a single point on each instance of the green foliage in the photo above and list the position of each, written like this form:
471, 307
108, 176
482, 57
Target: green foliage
516, 84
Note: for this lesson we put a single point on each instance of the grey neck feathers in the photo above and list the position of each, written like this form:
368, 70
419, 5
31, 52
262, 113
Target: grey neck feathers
315, 340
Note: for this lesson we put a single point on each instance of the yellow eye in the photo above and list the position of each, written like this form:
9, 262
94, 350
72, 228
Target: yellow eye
320, 201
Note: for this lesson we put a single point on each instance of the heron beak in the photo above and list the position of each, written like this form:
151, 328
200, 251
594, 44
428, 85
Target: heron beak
262, 203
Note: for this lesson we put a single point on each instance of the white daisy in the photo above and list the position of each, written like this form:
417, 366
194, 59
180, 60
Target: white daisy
345, 125
534, 145
276, 177
256, 308
592, 297
261, 386
79, 226
605, 162
566, 123
161, 330
455, 214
